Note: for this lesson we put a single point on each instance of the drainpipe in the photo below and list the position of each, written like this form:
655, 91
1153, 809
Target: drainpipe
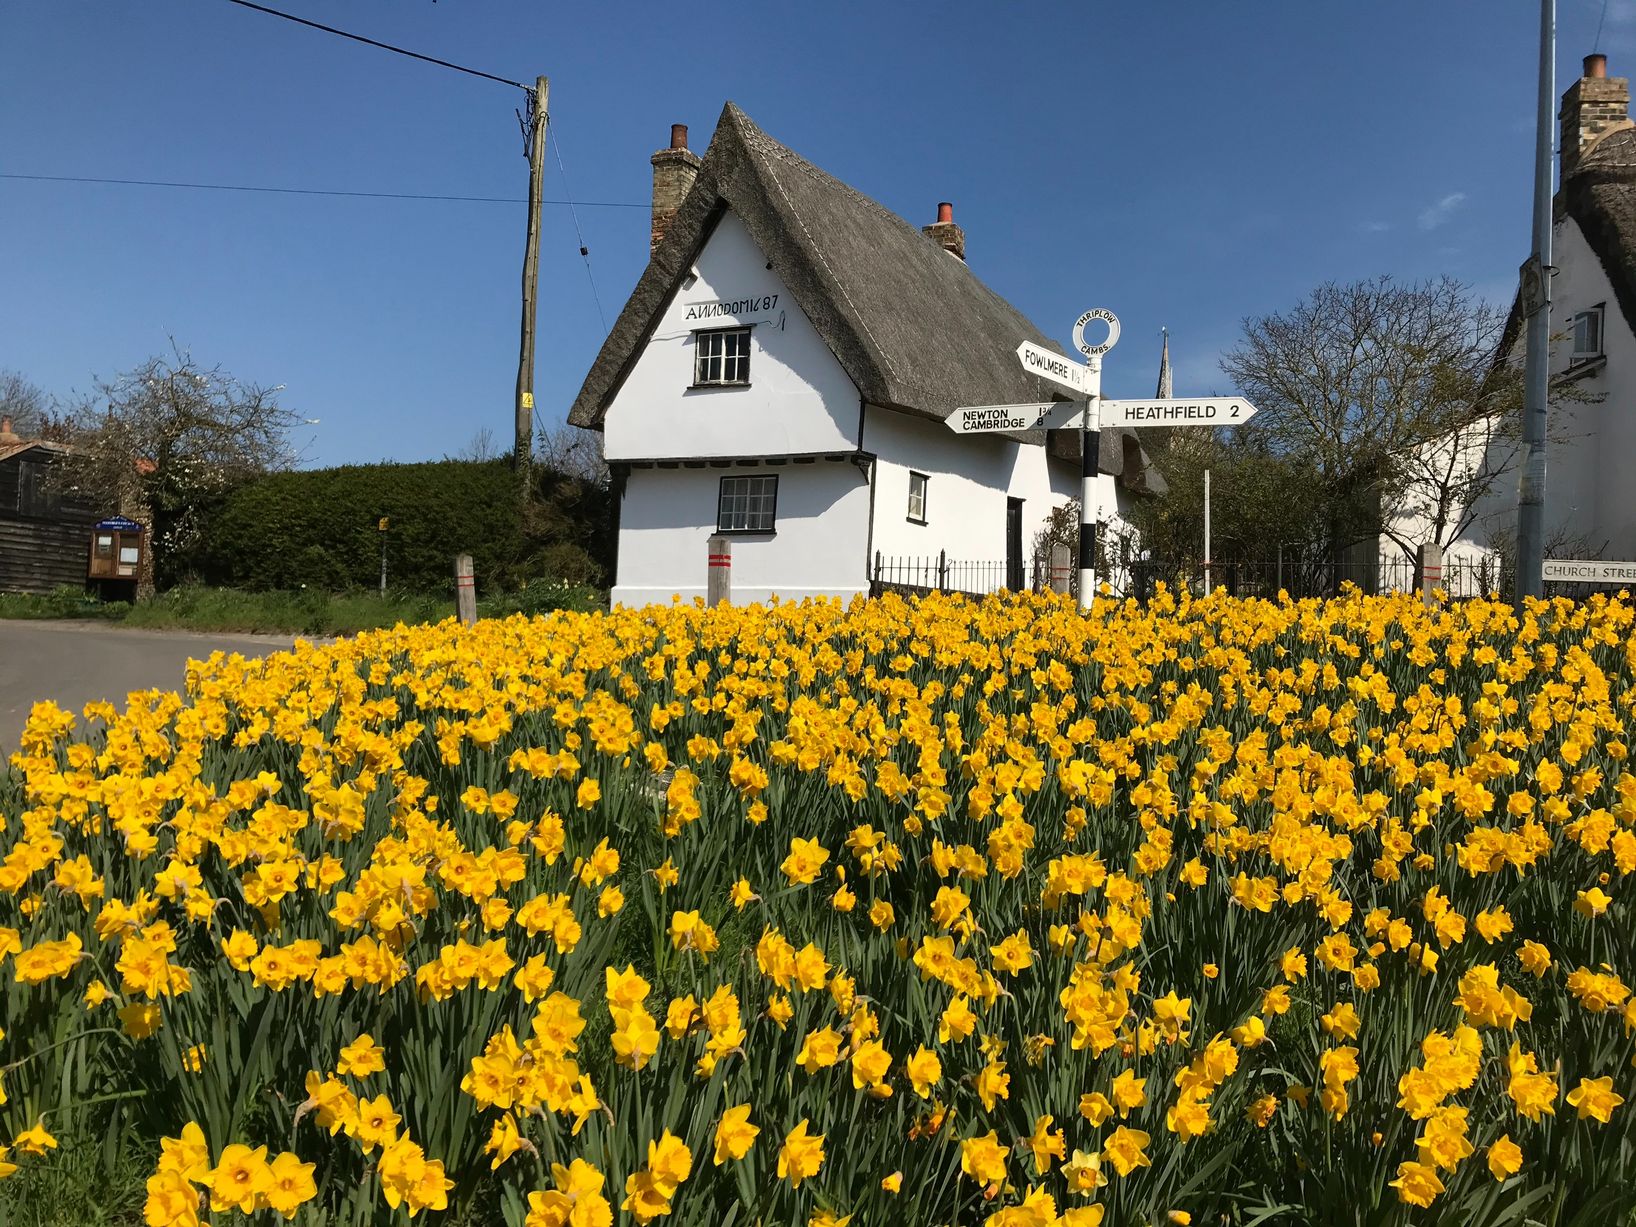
866, 466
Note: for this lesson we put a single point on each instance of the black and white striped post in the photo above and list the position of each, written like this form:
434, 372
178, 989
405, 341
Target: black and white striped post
1090, 451
1090, 444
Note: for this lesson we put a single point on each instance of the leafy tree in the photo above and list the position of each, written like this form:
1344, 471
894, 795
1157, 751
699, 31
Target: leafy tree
1386, 410
1365, 391
170, 437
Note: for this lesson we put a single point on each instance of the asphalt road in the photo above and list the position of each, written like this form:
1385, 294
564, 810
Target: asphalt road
76, 662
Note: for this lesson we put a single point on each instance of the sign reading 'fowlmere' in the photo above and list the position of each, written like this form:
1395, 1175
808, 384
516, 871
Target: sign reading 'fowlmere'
1590, 571
1040, 361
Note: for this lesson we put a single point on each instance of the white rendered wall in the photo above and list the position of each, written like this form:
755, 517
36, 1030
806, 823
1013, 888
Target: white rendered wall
798, 398
1589, 492
970, 477
817, 549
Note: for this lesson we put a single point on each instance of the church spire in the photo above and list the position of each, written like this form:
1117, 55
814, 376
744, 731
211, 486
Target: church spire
1165, 391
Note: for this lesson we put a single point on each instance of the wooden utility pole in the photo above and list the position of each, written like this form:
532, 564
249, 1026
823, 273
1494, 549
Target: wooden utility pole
524, 451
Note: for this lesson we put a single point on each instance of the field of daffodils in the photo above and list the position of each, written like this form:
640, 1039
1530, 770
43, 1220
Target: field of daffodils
910, 913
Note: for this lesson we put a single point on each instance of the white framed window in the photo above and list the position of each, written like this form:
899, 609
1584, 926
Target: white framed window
917, 497
747, 504
721, 357
1588, 334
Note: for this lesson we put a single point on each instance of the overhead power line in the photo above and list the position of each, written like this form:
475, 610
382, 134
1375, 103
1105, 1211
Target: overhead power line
316, 191
359, 38
584, 251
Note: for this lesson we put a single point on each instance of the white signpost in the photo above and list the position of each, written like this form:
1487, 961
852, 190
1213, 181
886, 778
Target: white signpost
1589, 571
1088, 413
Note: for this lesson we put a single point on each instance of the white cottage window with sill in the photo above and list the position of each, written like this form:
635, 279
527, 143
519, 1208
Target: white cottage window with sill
721, 358
747, 504
917, 497
1588, 334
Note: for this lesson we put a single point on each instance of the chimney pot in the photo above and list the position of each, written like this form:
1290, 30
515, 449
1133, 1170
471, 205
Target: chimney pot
678, 136
944, 232
1596, 65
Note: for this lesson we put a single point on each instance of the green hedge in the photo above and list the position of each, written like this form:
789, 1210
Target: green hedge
318, 528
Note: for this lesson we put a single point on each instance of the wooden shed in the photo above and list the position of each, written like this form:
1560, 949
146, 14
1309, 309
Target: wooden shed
45, 531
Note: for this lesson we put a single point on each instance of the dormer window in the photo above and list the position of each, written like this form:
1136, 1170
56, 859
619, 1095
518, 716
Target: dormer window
1588, 335
721, 358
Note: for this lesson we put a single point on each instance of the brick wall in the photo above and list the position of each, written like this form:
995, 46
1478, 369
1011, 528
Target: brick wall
673, 173
1591, 107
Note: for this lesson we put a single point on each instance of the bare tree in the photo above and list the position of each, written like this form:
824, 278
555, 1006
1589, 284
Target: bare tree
481, 448
170, 436
572, 452
1390, 394
25, 403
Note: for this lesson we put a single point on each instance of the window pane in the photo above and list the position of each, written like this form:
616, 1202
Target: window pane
747, 504
722, 356
1588, 333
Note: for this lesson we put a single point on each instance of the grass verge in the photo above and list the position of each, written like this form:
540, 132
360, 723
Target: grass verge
302, 612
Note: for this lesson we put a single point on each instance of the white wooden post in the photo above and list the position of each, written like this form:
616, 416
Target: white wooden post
1206, 532
465, 589
1431, 570
1061, 567
719, 574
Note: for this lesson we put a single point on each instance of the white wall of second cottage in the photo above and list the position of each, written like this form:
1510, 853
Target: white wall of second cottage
798, 400
817, 548
1590, 501
1589, 494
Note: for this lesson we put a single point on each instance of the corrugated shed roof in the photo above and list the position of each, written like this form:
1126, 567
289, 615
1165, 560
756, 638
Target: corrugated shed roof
911, 324
8, 450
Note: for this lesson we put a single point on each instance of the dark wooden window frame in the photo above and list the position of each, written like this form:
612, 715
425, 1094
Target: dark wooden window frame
925, 492
739, 362
758, 528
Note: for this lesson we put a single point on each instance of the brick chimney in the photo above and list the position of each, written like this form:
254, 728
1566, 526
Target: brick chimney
1594, 105
944, 232
674, 170
7, 434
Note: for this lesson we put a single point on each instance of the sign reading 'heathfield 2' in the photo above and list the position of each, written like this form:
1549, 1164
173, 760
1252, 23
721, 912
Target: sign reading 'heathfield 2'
1590, 571
1199, 411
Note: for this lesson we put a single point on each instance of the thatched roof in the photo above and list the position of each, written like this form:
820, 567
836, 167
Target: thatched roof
1600, 195
910, 323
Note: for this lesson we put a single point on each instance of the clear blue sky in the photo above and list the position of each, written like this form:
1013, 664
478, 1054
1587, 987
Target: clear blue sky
1184, 163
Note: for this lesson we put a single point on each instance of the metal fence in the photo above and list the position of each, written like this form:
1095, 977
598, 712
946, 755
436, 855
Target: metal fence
940, 573
1306, 576
1300, 576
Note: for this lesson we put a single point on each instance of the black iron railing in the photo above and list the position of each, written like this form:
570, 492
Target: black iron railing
941, 573
1304, 576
